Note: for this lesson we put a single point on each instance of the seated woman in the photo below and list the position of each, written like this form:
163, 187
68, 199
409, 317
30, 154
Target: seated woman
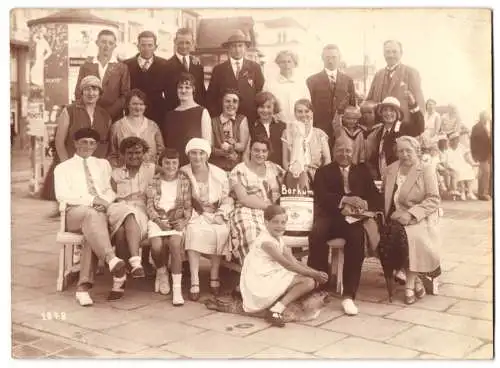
135, 124
207, 232
229, 133
305, 148
256, 185
169, 210
411, 238
127, 216
271, 277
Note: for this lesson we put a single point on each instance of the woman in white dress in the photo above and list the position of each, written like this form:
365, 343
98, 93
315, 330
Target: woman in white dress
461, 162
271, 277
169, 210
287, 87
208, 231
432, 119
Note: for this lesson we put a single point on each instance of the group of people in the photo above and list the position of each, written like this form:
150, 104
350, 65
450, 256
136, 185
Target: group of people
152, 160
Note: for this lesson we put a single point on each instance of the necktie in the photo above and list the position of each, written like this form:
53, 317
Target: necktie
332, 81
184, 61
345, 177
88, 177
146, 64
382, 158
238, 69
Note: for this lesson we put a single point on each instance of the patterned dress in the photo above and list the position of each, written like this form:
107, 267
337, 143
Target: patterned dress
130, 197
245, 223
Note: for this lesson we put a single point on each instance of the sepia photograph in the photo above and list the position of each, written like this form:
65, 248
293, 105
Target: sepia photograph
242, 183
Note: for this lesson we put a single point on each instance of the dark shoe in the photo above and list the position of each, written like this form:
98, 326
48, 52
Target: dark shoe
149, 270
119, 269
215, 287
275, 319
138, 273
236, 294
194, 296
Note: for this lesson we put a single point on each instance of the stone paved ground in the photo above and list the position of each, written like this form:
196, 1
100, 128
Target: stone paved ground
455, 324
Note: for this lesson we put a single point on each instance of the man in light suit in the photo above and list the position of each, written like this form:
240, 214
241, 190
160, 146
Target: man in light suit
237, 73
114, 75
395, 79
183, 62
331, 91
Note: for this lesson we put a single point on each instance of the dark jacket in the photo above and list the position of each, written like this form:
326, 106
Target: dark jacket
414, 128
249, 83
152, 83
174, 68
276, 129
115, 85
328, 187
480, 143
327, 101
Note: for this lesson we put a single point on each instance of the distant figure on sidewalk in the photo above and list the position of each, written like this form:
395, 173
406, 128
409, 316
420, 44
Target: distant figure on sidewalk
480, 145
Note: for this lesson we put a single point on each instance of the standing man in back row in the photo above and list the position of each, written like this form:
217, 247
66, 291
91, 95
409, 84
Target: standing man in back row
183, 62
113, 75
331, 91
148, 73
237, 73
395, 79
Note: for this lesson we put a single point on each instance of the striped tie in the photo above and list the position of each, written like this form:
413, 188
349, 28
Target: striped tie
88, 177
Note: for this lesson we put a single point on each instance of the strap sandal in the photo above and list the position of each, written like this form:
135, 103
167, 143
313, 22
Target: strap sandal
194, 292
138, 272
410, 296
419, 289
276, 319
215, 286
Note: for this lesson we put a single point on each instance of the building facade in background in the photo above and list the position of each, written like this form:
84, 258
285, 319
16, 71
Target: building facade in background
129, 23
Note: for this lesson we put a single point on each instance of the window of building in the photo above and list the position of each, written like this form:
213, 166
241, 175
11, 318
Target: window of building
133, 31
13, 67
121, 32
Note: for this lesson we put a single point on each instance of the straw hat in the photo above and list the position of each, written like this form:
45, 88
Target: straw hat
392, 102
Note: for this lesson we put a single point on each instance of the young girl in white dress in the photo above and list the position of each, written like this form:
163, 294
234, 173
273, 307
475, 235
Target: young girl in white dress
271, 276
461, 162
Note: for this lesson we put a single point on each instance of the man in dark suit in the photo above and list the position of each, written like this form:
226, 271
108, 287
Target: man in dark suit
148, 73
114, 75
331, 91
480, 146
181, 62
337, 186
395, 79
381, 142
236, 73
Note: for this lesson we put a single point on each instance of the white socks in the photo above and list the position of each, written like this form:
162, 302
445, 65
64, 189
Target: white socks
135, 262
177, 298
279, 307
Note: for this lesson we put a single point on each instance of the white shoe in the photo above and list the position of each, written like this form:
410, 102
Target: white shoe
162, 283
349, 307
177, 299
471, 196
83, 298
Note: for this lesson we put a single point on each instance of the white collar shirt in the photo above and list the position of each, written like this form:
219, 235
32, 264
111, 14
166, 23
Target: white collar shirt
71, 183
